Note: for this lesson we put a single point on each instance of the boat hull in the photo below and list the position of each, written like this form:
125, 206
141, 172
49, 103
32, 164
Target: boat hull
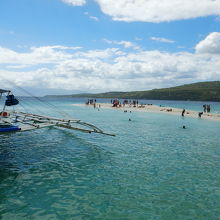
10, 128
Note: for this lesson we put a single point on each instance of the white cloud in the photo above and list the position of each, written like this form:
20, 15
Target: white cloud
161, 39
75, 2
211, 44
154, 10
105, 70
91, 17
158, 10
64, 47
37, 55
125, 44
108, 53
94, 18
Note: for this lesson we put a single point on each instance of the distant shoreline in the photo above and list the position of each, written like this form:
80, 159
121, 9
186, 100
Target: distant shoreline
155, 109
201, 91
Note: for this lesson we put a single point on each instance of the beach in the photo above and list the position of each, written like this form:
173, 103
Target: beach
149, 108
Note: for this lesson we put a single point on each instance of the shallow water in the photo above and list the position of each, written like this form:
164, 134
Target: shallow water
152, 169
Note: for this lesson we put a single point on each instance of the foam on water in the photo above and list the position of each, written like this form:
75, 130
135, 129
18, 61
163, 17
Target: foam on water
152, 169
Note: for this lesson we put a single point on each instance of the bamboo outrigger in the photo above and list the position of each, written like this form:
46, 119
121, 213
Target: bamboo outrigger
21, 121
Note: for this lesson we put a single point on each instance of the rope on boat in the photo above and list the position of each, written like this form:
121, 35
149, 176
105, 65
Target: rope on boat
63, 113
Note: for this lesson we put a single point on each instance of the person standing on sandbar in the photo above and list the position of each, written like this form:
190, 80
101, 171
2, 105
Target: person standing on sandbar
183, 112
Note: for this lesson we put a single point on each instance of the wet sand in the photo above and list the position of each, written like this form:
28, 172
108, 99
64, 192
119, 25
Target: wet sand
155, 109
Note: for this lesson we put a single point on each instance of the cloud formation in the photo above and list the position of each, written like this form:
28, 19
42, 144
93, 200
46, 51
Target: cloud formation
37, 55
91, 17
154, 10
94, 18
161, 39
158, 10
75, 2
211, 44
110, 69
125, 44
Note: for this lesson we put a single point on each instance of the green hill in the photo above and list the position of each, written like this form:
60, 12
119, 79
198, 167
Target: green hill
202, 91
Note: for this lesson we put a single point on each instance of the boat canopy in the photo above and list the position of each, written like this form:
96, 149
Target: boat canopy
11, 100
4, 91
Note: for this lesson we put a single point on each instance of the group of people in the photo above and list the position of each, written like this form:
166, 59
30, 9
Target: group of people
90, 102
117, 103
206, 108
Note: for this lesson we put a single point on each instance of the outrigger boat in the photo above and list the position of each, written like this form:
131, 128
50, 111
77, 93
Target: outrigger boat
21, 121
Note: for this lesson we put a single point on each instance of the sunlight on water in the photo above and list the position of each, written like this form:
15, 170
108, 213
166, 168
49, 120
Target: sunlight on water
152, 169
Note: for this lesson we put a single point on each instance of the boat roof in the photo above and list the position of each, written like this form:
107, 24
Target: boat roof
4, 91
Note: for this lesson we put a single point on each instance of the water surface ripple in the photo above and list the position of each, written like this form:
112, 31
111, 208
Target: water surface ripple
152, 169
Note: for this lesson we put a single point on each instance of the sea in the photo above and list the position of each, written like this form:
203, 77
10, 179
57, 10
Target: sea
152, 169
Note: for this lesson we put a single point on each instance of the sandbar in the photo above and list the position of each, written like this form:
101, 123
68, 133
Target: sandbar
154, 109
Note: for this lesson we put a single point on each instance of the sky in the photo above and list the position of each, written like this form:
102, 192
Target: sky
74, 46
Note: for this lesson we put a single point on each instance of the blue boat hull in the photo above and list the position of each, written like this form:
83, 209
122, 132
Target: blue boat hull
10, 128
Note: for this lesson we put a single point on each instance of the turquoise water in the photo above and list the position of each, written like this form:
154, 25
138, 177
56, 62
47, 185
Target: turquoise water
152, 169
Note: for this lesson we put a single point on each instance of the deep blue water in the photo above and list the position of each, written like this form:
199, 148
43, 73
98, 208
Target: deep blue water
152, 169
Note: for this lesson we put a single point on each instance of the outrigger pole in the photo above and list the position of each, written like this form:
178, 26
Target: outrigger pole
35, 121
21, 121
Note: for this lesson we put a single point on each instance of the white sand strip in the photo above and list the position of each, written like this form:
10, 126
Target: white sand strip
155, 109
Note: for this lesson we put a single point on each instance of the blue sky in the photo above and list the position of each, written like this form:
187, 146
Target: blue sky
68, 46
